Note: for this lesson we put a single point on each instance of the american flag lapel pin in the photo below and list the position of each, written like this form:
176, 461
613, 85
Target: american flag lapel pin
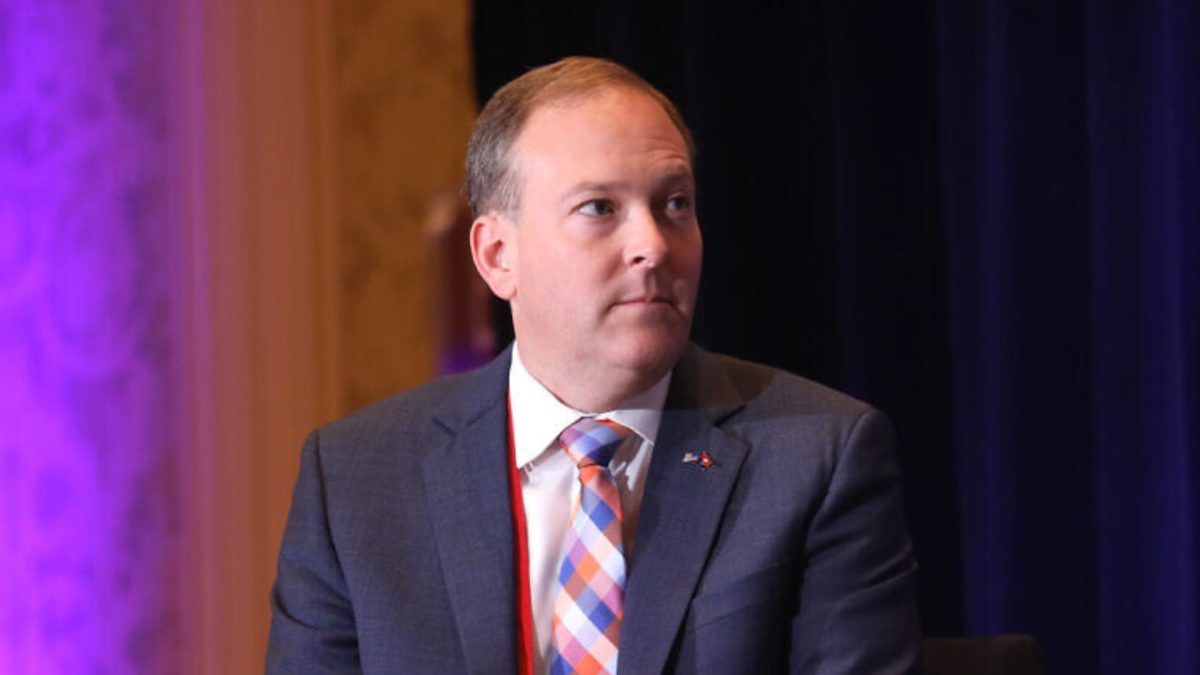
701, 458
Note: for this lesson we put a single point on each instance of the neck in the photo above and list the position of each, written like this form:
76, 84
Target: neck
596, 395
591, 389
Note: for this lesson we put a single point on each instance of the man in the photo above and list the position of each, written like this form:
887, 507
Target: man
723, 516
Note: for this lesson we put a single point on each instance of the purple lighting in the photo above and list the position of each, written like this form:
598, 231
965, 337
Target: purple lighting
88, 524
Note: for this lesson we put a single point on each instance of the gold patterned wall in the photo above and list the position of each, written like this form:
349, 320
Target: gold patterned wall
403, 112
311, 140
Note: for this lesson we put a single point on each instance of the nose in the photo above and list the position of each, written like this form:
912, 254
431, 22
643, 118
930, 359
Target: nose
646, 243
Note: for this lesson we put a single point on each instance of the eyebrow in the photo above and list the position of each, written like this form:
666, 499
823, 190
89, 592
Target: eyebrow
596, 186
603, 186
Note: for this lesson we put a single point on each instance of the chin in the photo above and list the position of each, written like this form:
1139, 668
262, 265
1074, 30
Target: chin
650, 359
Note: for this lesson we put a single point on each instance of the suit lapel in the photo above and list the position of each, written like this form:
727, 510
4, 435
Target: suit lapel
680, 512
468, 498
467, 491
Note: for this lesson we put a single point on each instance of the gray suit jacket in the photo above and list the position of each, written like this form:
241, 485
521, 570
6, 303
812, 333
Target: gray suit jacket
789, 553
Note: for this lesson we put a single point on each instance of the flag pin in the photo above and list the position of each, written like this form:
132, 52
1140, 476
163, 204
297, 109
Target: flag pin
701, 458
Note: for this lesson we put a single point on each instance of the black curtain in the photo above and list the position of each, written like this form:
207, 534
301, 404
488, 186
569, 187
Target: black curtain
980, 216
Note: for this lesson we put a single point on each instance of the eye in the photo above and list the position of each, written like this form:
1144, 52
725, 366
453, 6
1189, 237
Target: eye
679, 203
597, 208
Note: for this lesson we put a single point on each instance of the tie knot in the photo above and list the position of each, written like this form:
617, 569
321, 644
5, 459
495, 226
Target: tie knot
592, 441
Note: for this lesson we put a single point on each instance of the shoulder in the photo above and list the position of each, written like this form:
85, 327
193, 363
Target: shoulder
764, 389
772, 408
422, 412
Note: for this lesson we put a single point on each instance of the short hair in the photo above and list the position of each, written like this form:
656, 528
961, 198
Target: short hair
490, 179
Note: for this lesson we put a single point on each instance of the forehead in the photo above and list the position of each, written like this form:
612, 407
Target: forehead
608, 129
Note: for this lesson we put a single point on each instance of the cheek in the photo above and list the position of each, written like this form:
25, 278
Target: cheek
688, 250
688, 264
552, 293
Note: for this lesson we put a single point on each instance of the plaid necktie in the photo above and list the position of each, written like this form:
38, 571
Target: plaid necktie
591, 581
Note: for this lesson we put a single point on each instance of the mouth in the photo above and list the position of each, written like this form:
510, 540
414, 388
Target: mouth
647, 300
652, 295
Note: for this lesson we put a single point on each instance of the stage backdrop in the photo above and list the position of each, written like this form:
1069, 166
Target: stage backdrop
982, 217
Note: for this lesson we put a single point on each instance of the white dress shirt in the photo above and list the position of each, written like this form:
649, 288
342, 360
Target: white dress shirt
550, 480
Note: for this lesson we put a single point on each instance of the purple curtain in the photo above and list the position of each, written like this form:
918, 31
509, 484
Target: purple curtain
89, 521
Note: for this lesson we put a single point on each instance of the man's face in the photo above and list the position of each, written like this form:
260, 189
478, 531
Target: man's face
608, 248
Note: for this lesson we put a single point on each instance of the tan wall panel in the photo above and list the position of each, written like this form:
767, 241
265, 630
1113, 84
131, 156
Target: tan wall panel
404, 109
311, 139
254, 318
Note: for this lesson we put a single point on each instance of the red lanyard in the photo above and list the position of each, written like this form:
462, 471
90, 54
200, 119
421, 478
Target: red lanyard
521, 557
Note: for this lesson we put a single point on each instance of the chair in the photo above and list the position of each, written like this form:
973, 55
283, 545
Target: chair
995, 655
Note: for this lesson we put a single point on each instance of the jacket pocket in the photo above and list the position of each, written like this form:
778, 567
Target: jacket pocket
769, 586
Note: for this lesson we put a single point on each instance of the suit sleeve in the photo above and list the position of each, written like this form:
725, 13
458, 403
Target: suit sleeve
857, 610
312, 623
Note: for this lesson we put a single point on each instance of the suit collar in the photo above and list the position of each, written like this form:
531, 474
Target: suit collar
474, 394
700, 383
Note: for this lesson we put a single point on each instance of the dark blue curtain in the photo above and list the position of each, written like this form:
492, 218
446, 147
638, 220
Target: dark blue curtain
982, 216
1070, 163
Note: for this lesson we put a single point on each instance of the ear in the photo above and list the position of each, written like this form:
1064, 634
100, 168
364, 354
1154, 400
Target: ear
494, 250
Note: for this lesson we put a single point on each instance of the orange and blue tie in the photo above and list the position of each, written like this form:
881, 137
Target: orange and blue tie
591, 581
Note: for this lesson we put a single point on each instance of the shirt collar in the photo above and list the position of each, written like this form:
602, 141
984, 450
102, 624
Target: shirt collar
539, 417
